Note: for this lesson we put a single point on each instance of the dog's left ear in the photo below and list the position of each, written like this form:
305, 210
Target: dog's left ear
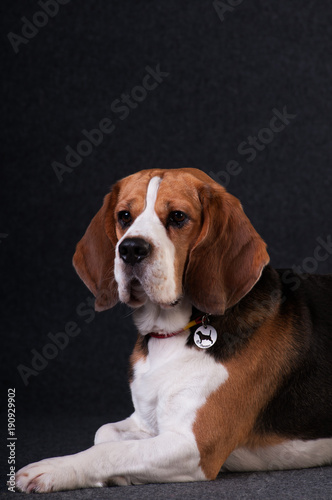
228, 256
95, 253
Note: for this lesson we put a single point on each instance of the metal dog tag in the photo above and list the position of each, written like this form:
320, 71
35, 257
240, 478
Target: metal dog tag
205, 336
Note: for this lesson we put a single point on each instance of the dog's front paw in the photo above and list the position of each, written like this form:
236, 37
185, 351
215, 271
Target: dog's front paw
52, 474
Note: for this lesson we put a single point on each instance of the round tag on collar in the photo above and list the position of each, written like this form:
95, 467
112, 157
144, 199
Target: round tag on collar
205, 336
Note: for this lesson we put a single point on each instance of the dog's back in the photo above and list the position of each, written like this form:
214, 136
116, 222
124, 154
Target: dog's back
293, 411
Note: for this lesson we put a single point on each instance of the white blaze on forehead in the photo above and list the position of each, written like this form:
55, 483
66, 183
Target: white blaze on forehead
157, 272
152, 192
144, 225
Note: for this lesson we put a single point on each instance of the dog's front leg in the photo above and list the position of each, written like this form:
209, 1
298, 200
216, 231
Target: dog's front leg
167, 457
130, 428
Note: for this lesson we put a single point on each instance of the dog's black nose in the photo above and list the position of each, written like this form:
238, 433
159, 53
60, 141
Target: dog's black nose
134, 250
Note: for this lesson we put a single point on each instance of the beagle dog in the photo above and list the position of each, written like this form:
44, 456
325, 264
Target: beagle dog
232, 365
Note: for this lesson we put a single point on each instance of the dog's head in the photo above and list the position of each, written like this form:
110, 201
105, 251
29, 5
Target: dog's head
163, 234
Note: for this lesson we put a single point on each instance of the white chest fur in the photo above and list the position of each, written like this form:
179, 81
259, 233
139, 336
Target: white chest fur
172, 383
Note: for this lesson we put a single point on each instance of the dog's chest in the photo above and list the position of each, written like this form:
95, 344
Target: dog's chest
173, 382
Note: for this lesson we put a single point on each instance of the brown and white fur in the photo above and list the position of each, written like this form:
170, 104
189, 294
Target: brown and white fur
173, 245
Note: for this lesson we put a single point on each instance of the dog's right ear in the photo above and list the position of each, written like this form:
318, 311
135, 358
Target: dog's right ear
95, 253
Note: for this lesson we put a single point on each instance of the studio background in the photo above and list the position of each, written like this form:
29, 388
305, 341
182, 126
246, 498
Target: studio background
225, 74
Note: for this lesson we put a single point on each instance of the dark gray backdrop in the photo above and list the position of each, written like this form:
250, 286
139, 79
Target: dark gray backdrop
230, 70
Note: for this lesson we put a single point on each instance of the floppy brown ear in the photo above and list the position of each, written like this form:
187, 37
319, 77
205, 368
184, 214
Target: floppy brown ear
95, 253
228, 257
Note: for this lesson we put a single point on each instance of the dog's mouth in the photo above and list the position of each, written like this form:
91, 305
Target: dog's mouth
170, 305
138, 297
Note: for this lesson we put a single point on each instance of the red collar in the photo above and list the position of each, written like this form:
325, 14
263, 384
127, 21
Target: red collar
196, 321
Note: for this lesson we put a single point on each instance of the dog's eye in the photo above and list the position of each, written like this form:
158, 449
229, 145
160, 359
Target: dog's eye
177, 218
124, 218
